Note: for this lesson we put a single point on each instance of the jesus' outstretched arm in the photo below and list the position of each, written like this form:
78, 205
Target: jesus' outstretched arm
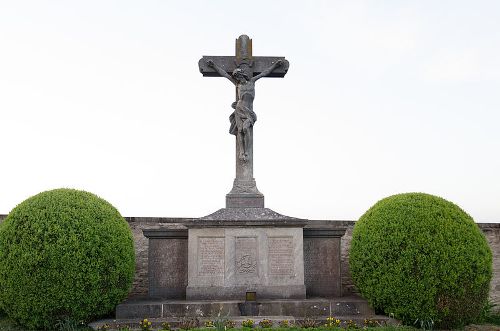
220, 71
268, 70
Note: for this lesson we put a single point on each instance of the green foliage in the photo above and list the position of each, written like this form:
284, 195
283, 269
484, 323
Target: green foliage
493, 318
165, 326
266, 323
69, 324
220, 323
284, 324
424, 324
145, 325
332, 322
188, 323
488, 315
8, 325
230, 324
308, 322
370, 323
64, 255
249, 323
350, 324
423, 259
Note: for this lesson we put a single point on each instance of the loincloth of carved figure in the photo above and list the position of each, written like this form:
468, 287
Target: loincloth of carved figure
242, 115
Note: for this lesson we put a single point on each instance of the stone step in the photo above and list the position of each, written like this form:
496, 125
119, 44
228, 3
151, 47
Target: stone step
133, 323
299, 308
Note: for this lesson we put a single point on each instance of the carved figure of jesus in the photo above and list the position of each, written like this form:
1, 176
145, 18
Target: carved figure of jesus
243, 117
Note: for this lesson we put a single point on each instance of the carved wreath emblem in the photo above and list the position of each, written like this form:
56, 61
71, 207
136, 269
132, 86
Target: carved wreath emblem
246, 264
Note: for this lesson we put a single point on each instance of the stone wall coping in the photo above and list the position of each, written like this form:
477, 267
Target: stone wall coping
165, 233
492, 226
324, 232
199, 223
158, 219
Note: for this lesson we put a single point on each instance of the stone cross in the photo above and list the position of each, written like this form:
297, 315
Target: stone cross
243, 70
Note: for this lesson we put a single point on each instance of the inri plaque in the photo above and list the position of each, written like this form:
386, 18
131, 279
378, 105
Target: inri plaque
210, 256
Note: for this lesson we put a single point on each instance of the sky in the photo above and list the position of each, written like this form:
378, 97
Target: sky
381, 97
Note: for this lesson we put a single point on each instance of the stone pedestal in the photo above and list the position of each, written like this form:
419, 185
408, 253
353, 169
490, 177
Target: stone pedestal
240, 250
249, 200
244, 193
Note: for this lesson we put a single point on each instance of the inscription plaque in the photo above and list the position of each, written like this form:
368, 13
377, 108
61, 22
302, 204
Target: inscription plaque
246, 256
281, 256
210, 256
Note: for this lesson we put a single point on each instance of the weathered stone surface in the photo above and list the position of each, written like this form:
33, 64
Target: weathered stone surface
244, 200
243, 70
227, 262
228, 63
322, 265
201, 309
492, 234
350, 306
245, 214
147, 309
348, 287
245, 217
140, 285
167, 264
346, 306
238, 292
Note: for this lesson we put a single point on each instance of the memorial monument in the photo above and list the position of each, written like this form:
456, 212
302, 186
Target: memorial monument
245, 247
243, 251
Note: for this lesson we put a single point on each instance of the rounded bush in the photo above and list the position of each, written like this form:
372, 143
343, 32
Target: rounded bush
64, 254
422, 259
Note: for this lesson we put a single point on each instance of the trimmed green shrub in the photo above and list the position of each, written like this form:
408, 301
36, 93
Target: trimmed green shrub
423, 259
64, 255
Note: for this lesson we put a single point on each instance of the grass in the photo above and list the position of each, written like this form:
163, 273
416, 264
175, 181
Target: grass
492, 319
7, 324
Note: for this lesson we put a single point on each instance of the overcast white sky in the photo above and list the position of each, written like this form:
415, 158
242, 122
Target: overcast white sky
381, 97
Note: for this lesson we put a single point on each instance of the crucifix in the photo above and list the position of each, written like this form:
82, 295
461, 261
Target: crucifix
243, 70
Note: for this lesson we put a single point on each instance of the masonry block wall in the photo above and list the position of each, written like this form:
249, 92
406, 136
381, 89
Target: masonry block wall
491, 231
140, 285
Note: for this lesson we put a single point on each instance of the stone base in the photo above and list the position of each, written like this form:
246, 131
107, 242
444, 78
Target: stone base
239, 292
299, 308
244, 194
244, 200
228, 258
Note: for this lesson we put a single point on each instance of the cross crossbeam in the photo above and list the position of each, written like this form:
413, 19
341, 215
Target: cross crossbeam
229, 64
